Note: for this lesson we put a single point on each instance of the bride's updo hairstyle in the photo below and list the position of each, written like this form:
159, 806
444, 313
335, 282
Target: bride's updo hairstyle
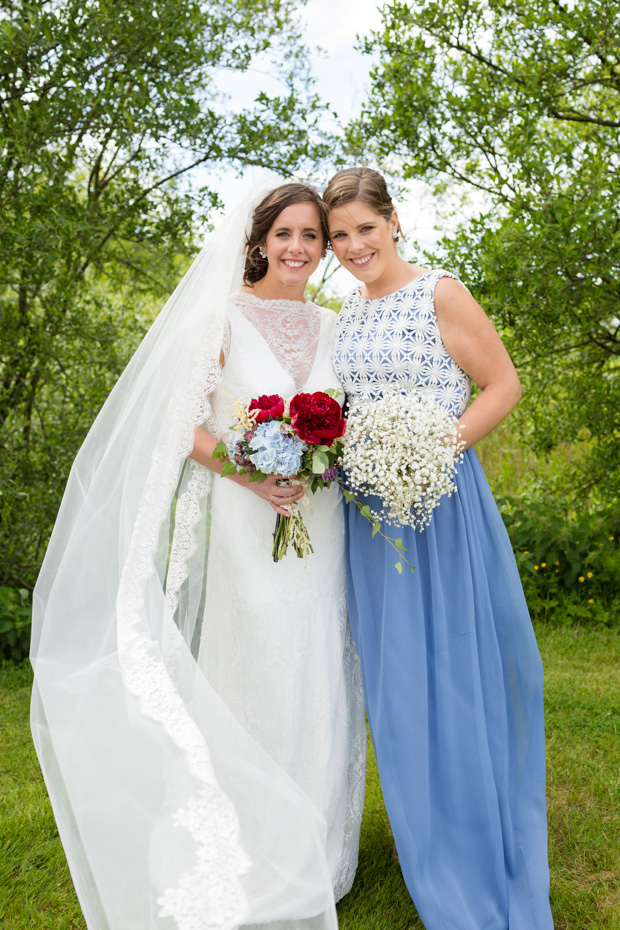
265, 215
363, 184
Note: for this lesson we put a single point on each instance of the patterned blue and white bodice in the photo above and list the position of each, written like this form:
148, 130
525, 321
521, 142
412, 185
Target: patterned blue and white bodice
394, 344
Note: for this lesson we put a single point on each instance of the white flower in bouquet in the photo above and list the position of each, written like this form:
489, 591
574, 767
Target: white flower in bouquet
404, 449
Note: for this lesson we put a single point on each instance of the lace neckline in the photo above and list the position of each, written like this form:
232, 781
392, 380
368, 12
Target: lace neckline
291, 329
284, 304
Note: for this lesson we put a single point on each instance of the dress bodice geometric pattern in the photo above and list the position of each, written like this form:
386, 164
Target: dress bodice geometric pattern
451, 671
394, 343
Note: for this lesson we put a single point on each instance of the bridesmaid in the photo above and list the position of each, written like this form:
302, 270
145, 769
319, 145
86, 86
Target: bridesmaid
452, 674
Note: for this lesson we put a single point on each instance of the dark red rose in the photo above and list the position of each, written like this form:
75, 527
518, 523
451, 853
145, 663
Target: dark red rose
317, 418
269, 406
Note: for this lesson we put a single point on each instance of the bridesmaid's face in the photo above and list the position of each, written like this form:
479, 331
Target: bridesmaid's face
294, 245
362, 240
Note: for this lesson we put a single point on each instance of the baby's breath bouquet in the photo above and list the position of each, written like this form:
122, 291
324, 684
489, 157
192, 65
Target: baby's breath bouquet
403, 449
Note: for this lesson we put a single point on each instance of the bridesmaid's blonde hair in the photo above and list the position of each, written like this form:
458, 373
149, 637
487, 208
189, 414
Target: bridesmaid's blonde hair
363, 184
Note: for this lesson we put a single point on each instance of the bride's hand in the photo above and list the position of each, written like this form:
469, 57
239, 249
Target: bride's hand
279, 496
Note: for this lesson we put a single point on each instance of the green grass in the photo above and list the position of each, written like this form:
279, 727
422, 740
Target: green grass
35, 887
583, 749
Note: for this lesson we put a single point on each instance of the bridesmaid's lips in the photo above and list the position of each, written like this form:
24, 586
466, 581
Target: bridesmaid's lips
362, 261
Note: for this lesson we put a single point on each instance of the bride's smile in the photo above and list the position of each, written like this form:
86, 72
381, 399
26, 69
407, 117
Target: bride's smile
294, 246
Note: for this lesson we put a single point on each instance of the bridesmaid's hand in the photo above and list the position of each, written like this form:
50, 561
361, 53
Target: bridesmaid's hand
278, 495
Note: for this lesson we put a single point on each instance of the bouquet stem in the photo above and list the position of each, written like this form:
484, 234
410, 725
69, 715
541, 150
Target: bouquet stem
291, 530
280, 537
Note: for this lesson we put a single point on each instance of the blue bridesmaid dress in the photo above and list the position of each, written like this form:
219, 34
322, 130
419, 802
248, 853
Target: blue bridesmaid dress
452, 675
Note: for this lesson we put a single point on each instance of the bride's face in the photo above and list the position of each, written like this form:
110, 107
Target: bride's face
362, 240
294, 245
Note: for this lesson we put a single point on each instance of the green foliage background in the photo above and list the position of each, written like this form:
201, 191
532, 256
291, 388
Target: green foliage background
518, 102
107, 109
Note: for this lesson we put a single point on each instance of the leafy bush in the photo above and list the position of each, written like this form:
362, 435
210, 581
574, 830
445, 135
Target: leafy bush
15, 611
569, 563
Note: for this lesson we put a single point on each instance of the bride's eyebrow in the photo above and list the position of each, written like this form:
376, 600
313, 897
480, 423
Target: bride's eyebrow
288, 229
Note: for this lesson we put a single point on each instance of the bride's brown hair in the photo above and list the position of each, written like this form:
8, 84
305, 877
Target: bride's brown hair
265, 215
363, 184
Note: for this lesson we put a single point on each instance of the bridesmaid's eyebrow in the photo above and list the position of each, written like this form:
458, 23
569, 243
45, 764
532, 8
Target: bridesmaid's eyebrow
336, 230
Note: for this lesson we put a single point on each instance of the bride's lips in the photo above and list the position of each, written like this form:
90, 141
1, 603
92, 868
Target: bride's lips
293, 262
360, 261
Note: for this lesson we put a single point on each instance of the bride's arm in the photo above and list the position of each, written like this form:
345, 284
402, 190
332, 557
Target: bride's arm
475, 345
278, 497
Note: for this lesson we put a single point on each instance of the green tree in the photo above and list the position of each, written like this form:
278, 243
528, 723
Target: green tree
519, 100
107, 109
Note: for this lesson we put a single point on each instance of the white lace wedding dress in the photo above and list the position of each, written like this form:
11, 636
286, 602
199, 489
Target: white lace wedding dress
276, 645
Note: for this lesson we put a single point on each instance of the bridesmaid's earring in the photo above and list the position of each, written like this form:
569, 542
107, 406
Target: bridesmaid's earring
395, 235
262, 252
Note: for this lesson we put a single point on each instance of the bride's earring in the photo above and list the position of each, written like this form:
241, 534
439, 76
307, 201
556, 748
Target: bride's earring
262, 252
324, 252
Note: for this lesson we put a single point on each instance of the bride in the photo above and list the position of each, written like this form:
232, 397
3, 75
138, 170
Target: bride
197, 708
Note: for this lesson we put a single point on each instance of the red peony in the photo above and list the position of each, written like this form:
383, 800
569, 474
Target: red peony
316, 418
269, 406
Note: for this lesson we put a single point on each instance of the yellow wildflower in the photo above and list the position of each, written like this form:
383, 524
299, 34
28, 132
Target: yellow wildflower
611, 538
590, 600
581, 578
536, 568
590, 574
556, 563
527, 551
543, 564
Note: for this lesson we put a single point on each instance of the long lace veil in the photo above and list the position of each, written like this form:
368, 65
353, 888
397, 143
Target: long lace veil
170, 814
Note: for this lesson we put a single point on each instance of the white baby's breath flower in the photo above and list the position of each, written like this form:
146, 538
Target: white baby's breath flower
402, 449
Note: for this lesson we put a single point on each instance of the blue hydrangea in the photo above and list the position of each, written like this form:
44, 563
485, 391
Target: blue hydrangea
232, 445
275, 452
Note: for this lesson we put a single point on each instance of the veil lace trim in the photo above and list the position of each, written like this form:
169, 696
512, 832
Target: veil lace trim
210, 894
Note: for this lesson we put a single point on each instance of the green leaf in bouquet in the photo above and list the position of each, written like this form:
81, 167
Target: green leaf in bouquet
220, 451
348, 496
376, 527
333, 392
399, 567
320, 461
366, 512
257, 476
228, 469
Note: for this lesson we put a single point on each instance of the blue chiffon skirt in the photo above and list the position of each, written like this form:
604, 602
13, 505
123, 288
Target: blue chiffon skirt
454, 693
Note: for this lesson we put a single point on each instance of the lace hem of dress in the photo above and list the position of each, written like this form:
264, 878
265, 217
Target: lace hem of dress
209, 896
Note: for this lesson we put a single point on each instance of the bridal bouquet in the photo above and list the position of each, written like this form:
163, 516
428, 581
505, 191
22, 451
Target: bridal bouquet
300, 437
404, 449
